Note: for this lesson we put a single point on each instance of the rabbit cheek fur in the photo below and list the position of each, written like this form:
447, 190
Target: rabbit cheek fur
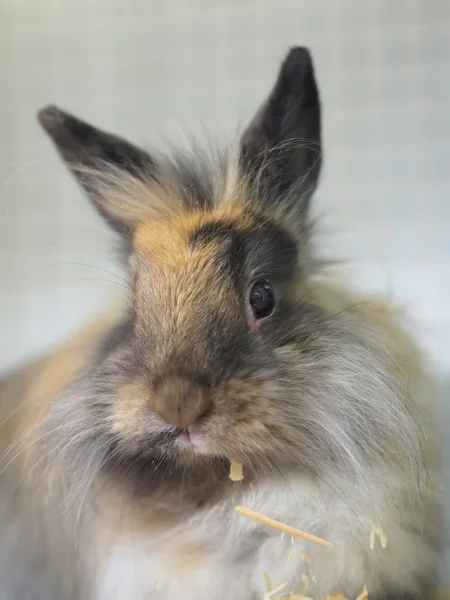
324, 401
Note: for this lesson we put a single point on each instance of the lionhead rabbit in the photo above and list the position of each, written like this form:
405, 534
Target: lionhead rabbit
117, 447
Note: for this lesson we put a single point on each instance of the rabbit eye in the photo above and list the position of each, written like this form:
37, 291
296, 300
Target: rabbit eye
262, 300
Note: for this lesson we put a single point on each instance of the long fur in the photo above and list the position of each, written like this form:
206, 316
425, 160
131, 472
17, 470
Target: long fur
327, 403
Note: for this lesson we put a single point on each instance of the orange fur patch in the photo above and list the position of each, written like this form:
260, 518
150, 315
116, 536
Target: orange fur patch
167, 239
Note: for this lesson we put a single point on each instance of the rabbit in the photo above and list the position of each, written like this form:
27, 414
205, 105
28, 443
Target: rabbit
233, 345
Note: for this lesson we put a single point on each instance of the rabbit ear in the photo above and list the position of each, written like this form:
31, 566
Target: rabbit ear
102, 163
281, 149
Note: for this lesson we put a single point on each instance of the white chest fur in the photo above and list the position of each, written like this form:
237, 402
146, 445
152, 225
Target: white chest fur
233, 553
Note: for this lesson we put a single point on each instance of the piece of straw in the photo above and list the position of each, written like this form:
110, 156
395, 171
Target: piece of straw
236, 470
275, 591
364, 595
246, 512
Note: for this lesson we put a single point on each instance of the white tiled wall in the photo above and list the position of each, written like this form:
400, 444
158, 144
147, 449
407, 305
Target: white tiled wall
144, 68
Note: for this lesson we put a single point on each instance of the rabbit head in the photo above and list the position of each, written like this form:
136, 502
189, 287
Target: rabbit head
224, 353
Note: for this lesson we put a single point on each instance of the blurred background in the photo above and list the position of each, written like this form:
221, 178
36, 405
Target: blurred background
149, 68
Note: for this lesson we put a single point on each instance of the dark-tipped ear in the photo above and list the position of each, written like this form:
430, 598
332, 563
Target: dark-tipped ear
281, 149
91, 154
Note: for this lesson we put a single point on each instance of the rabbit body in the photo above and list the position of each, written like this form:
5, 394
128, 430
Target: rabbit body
233, 346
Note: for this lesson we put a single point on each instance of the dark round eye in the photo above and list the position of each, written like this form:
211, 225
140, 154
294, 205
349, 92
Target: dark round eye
262, 299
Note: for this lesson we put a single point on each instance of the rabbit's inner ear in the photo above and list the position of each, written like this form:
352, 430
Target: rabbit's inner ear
281, 149
112, 171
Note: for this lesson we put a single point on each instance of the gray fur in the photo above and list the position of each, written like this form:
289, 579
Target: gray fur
325, 403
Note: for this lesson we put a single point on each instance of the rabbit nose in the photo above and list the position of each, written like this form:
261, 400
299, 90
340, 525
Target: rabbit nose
180, 401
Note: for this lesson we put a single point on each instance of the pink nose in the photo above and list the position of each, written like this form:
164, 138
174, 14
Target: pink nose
180, 401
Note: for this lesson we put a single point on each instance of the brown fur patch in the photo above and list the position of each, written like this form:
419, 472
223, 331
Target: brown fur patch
127, 413
177, 281
167, 239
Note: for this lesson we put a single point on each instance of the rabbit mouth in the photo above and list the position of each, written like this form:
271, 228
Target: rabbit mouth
192, 439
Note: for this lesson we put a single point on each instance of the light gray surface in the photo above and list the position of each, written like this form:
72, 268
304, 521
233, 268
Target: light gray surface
145, 67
